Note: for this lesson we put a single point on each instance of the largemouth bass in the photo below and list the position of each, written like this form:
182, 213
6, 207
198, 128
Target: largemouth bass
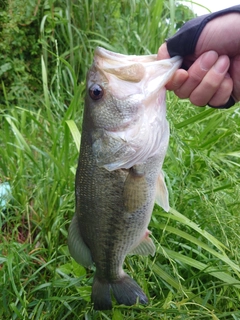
124, 141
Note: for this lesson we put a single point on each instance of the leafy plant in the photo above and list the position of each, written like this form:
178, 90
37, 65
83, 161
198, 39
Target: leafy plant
19, 50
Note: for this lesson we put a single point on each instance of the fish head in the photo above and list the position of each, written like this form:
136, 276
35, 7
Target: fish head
125, 104
113, 97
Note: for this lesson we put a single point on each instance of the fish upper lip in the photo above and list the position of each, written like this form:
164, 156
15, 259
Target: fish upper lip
129, 59
106, 54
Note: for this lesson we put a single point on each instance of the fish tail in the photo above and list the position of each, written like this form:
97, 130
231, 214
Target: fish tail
101, 296
126, 291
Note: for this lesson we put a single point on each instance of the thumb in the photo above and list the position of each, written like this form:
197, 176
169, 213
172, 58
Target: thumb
163, 52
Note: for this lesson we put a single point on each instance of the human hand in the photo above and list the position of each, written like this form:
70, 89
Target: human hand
214, 68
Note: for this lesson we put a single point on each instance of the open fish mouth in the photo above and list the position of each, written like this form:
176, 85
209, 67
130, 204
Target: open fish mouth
145, 69
138, 82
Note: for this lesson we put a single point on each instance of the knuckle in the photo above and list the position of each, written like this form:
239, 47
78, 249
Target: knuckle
181, 94
196, 77
198, 101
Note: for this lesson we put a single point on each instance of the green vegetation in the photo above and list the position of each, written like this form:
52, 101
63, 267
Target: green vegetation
46, 49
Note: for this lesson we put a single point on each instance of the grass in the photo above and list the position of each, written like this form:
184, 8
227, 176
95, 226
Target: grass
195, 273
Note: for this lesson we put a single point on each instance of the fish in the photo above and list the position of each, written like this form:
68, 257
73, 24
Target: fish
119, 176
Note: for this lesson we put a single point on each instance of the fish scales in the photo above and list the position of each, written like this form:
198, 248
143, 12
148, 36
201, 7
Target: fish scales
124, 140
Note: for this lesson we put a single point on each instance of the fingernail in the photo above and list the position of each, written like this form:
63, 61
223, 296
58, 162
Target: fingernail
208, 59
222, 65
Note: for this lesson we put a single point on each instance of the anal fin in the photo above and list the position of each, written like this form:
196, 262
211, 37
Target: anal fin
145, 247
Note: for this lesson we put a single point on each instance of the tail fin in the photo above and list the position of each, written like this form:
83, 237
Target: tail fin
125, 290
101, 296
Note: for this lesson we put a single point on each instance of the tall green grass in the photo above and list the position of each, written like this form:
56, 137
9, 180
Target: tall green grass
195, 273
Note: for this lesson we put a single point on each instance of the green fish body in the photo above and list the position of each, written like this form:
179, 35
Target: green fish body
119, 177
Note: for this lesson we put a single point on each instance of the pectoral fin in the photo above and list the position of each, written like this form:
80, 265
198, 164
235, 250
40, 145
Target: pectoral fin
162, 193
77, 247
135, 191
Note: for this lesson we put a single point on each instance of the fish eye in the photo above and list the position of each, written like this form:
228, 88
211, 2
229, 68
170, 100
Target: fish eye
96, 91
